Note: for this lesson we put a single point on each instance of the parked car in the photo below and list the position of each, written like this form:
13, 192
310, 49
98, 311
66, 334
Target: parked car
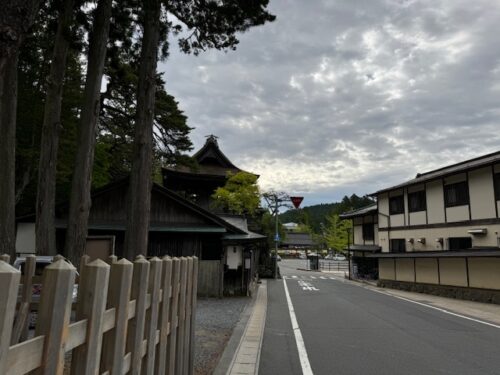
338, 257
302, 256
41, 262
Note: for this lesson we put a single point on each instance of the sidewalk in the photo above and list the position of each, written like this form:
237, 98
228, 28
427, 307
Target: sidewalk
488, 312
242, 353
477, 310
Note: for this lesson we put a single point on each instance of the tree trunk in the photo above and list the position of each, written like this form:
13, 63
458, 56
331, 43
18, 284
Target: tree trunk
139, 202
46, 193
16, 17
8, 109
80, 189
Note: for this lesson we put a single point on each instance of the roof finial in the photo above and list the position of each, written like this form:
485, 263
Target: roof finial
212, 138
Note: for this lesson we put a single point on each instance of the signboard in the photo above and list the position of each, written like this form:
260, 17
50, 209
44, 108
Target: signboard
296, 201
277, 237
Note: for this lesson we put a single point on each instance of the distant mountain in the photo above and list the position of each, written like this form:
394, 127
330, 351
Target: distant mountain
313, 216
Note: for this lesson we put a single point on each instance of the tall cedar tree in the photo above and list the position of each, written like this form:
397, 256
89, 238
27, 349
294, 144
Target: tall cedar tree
213, 24
139, 202
46, 188
16, 17
117, 119
80, 189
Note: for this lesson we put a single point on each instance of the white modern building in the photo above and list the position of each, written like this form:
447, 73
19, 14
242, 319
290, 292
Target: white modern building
439, 232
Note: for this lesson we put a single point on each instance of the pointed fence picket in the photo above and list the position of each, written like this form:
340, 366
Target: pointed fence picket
131, 318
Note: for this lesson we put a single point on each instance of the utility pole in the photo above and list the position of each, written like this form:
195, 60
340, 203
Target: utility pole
349, 250
275, 201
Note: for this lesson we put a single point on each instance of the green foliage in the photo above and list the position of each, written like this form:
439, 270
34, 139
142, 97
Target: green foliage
240, 194
314, 216
210, 24
269, 229
117, 119
336, 233
214, 24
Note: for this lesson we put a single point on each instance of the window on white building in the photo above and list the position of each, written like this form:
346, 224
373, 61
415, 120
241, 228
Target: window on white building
417, 201
396, 205
398, 245
497, 186
456, 194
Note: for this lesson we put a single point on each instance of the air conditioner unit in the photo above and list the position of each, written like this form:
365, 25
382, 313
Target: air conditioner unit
477, 231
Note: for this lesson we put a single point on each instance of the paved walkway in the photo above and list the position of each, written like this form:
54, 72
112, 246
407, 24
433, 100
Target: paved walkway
247, 357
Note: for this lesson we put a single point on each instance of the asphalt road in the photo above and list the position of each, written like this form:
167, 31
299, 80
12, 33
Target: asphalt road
348, 329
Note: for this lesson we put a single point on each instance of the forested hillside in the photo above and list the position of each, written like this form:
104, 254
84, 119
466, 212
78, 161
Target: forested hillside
313, 216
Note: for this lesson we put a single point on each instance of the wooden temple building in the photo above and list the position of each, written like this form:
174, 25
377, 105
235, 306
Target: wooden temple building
182, 223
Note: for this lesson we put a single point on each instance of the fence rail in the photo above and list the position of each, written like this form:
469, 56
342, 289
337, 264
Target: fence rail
130, 318
334, 265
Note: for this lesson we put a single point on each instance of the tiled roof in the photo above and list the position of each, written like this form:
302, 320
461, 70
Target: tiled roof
371, 209
463, 166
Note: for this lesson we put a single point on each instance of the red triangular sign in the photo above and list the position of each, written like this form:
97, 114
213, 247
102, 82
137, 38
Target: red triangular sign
296, 201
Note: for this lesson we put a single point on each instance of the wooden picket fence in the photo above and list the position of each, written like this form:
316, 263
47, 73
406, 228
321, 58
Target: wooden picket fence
130, 318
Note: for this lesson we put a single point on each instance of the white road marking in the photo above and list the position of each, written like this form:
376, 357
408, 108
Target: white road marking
322, 277
437, 308
294, 276
313, 277
304, 359
306, 286
333, 278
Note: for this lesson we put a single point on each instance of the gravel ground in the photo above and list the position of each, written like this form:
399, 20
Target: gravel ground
215, 320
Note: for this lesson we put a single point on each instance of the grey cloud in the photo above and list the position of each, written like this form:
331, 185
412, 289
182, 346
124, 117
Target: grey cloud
353, 95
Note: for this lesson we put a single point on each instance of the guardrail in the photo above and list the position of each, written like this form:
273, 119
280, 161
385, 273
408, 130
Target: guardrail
135, 318
334, 265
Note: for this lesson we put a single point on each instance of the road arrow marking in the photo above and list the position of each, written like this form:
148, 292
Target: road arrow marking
307, 286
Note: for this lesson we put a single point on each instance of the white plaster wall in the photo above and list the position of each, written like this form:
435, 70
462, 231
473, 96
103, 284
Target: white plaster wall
431, 234
482, 194
435, 202
383, 209
457, 213
386, 269
358, 234
383, 241
234, 257
418, 218
25, 238
397, 220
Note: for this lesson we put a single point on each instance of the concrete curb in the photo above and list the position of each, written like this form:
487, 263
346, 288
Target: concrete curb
242, 352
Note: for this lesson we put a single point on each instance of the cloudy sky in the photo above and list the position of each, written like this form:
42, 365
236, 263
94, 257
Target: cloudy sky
349, 96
